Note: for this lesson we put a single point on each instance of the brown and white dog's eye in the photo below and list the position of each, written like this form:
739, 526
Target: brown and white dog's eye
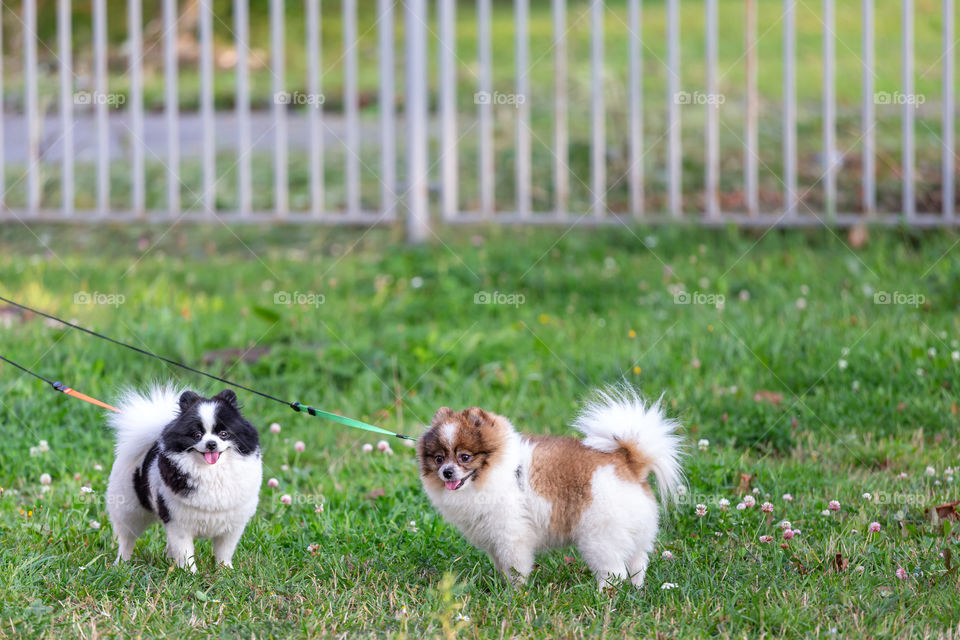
465, 457
438, 459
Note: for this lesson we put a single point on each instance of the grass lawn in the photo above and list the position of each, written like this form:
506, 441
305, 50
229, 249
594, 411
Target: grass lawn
799, 380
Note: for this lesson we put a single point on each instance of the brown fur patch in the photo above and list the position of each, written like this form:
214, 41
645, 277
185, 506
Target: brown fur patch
561, 471
478, 434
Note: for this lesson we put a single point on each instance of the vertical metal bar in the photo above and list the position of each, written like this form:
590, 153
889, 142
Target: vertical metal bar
446, 17
713, 113
206, 107
522, 99
100, 104
171, 104
33, 115
484, 98
280, 99
598, 133
636, 108
561, 175
907, 109
868, 117
388, 116
674, 149
241, 30
315, 110
65, 57
790, 199
830, 159
418, 215
350, 105
947, 133
138, 190
752, 152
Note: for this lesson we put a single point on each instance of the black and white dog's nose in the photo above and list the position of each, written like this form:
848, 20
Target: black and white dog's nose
448, 473
211, 445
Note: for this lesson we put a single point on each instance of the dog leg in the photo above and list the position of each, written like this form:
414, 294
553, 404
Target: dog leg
180, 549
638, 567
515, 563
607, 565
127, 529
224, 545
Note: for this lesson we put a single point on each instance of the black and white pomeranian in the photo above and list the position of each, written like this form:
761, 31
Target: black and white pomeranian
190, 462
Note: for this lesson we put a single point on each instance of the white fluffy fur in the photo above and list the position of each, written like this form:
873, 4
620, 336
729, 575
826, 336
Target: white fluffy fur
616, 533
142, 418
223, 501
620, 414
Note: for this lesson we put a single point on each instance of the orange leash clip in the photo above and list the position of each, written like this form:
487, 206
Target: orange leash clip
59, 386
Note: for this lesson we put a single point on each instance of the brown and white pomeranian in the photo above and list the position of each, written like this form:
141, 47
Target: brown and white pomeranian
513, 495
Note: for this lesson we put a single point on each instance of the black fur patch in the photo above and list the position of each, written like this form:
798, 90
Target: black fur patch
518, 472
175, 479
162, 510
141, 478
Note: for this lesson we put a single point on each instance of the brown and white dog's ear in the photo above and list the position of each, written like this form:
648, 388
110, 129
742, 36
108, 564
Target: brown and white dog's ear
477, 417
442, 414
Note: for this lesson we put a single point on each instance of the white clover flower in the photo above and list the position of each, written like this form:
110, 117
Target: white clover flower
703, 444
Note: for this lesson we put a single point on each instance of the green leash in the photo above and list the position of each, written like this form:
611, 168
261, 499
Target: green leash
344, 420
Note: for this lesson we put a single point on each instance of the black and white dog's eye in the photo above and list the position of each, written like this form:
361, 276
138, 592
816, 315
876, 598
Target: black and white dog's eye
464, 457
222, 433
197, 435
439, 459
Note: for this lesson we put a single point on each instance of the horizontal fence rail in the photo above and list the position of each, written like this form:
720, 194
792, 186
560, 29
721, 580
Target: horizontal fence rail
387, 112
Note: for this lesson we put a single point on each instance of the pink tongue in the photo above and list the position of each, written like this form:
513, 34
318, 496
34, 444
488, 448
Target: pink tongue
211, 456
452, 485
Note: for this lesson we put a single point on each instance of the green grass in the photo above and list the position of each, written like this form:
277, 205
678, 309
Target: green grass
398, 334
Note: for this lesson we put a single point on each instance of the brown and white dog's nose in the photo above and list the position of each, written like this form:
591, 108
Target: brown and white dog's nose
447, 473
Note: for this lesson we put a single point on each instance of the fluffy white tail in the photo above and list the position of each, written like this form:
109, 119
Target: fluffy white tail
619, 415
142, 417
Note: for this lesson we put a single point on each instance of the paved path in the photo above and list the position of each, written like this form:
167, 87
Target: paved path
155, 134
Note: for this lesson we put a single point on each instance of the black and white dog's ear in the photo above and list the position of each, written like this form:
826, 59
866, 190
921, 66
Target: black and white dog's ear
229, 397
187, 400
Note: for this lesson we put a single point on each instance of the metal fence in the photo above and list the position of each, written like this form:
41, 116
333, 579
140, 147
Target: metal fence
407, 134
